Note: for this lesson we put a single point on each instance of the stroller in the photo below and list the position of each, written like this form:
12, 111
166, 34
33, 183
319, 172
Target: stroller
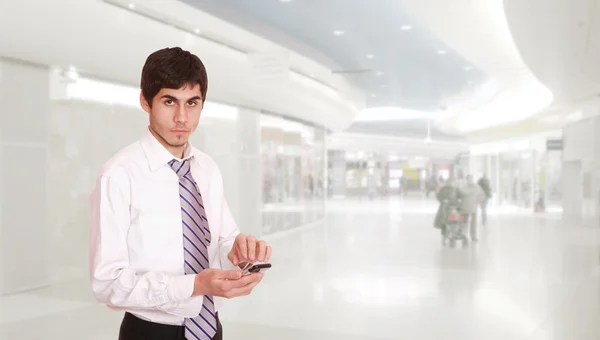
454, 223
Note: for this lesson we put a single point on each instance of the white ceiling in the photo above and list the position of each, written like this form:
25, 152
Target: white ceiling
559, 40
479, 31
413, 74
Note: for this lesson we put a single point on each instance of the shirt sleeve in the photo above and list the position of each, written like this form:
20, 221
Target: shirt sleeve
113, 282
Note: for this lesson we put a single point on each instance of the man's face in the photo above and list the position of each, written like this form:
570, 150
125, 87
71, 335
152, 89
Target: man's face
174, 116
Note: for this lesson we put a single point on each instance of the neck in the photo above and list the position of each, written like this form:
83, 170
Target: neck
176, 151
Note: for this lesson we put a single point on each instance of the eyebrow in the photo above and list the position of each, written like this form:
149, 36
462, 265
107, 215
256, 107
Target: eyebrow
168, 96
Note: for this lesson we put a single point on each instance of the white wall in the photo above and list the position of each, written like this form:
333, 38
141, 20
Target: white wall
579, 140
24, 111
234, 145
82, 136
581, 168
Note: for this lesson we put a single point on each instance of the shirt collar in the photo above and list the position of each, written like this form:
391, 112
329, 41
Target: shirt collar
157, 155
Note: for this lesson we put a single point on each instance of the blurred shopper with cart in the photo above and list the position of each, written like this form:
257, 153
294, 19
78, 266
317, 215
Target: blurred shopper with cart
473, 196
450, 218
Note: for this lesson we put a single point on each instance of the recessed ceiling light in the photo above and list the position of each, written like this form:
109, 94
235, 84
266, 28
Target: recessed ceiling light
131, 6
197, 30
370, 56
338, 32
379, 73
373, 95
406, 27
468, 68
441, 52
285, 1
383, 86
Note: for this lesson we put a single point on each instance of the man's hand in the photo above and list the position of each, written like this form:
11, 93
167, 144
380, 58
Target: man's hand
227, 284
248, 249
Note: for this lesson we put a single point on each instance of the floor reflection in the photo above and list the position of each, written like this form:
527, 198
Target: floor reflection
378, 270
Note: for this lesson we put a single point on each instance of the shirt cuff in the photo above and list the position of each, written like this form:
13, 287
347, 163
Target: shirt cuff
181, 287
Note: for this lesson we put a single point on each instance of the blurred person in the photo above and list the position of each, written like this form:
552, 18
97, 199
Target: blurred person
402, 183
448, 195
485, 185
164, 247
473, 195
431, 186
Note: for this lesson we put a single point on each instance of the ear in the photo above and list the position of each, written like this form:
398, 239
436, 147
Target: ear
144, 103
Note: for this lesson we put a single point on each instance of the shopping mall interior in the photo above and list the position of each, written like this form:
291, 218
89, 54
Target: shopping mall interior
335, 125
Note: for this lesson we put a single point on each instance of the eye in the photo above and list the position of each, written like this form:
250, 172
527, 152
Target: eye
169, 102
192, 103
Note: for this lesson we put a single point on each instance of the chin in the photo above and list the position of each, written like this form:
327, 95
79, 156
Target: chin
178, 143
181, 141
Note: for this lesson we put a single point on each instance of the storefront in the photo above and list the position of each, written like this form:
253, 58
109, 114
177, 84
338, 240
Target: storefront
523, 171
292, 173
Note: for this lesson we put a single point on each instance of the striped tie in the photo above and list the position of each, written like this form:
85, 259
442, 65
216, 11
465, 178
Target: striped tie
196, 238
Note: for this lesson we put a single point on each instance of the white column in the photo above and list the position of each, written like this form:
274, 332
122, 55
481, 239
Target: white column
250, 179
534, 178
572, 185
499, 182
24, 241
338, 173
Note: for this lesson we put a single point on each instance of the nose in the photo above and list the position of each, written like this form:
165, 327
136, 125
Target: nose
181, 115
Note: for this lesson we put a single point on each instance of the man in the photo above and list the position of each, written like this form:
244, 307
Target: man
164, 247
485, 185
472, 196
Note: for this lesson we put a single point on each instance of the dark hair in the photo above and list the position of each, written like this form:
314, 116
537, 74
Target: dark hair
172, 68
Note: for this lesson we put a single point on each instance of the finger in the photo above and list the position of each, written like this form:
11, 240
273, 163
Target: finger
242, 282
247, 289
235, 259
230, 274
268, 254
241, 247
261, 251
251, 255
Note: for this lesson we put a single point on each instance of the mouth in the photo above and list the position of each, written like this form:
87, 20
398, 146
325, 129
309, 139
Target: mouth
179, 131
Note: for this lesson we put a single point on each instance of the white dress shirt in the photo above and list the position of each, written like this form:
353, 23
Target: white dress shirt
136, 234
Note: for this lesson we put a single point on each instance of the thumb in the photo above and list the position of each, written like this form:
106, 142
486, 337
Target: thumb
231, 275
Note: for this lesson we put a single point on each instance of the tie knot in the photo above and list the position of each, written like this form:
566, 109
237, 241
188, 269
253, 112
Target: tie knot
180, 168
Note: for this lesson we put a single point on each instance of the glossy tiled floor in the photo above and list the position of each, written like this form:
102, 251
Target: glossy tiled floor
378, 270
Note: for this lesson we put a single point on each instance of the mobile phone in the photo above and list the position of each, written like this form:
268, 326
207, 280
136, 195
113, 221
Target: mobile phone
260, 267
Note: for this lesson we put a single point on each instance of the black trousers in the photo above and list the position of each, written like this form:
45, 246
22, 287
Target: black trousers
134, 328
